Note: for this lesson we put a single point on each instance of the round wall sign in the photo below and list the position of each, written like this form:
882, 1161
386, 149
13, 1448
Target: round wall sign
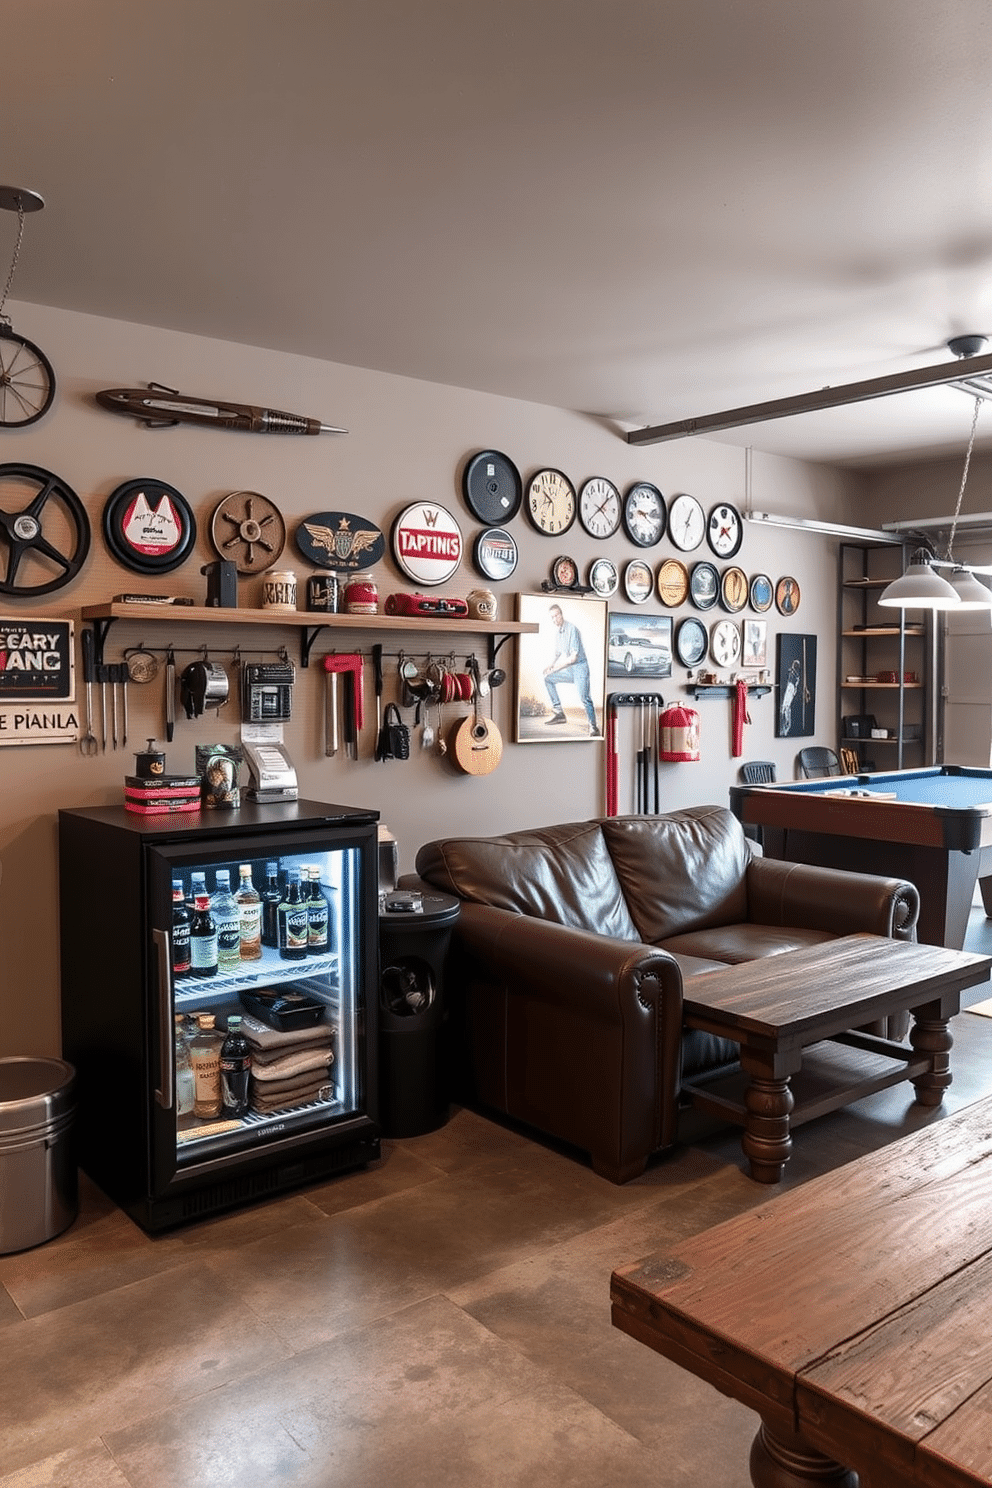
427, 543
494, 553
492, 487
340, 540
148, 526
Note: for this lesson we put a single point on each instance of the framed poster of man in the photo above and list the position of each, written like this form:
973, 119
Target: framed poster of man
795, 716
561, 670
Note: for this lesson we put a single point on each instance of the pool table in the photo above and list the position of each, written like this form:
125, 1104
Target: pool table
932, 826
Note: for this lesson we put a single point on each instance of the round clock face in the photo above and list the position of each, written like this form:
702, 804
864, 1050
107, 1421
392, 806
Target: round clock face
691, 642
494, 553
733, 590
599, 507
673, 582
492, 488
762, 593
724, 530
725, 643
787, 596
644, 514
551, 502
638, 581
564, 572
603, 578
704, 586
686, 522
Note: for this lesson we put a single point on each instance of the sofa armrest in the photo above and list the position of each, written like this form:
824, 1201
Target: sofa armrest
830, 899
573, 1032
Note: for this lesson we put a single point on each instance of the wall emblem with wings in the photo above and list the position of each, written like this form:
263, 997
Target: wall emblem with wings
339, 540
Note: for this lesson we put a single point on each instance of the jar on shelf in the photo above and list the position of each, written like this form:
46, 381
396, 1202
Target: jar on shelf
361, 595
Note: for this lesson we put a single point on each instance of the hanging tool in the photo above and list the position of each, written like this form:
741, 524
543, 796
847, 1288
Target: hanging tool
647, 721
350, 664
122, 677
380, 739
102, 675
170, 695
612, 756
330, 710
88, 743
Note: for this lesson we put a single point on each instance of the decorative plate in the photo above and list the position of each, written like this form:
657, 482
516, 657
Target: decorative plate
704, 585
340, 540
733, 590
673, 582
762, 593
603, 578
249, 530
787, 596
638, 581
494, 553
691, 642
492, 487
149, 526
427, 543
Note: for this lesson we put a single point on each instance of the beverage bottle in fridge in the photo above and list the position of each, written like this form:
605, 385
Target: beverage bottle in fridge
318, 913
197, 885
204, 1053
271, 900
293, 921
235, 1068
185, 1084
203, 939
249, 902
181, 919
228, 918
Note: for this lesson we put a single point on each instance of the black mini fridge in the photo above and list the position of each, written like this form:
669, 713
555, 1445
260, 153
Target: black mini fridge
128, 1003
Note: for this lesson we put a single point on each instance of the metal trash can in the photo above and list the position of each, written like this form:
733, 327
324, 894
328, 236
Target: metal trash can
39, 1185
413, 1076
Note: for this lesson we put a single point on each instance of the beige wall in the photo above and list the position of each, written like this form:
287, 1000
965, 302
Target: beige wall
408, 441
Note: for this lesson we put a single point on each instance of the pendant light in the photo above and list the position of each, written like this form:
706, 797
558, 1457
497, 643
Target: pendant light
921, 587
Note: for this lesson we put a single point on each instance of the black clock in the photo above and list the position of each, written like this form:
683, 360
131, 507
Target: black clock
644, 514
724, 530
492, 487
551, 502
599, 507
691, 642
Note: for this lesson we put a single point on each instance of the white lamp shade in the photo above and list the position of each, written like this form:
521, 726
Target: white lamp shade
972, 593
920, 588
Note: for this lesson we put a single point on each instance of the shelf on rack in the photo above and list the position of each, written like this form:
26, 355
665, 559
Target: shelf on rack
883, 630
866, 682
725, 689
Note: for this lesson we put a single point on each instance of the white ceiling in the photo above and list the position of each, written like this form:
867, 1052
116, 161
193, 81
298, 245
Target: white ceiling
643, 210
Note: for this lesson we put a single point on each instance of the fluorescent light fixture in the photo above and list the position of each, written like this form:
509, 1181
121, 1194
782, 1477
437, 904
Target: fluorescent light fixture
830, 529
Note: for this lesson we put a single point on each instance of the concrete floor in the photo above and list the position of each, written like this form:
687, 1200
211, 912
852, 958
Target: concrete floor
439, 1319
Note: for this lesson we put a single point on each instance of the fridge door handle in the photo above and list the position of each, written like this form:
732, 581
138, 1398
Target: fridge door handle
165, 1094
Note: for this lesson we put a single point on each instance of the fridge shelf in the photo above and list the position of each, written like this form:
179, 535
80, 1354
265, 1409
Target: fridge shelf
271, 970
209, 1134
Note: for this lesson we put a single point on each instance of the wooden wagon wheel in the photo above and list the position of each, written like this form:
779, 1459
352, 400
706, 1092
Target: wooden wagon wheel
249, 530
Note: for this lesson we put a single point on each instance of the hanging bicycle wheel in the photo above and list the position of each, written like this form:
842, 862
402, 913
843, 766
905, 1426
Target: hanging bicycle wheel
44, 531
27, 380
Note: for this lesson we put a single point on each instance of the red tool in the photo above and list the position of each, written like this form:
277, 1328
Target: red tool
350, 663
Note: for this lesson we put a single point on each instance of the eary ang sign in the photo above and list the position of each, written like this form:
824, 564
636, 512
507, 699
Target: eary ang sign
37, 681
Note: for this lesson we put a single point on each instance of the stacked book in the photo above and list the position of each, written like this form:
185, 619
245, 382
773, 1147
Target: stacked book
166, 794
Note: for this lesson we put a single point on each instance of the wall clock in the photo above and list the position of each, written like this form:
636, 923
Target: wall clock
551, 502
725, 530
603, 578
704, 585
644, 514
691, 642
762, 593
673, 582
787, 596
494, 553
148, 526
725, 643
733, 590
599, 507
492, 487
427, 543
638, 581
686, 522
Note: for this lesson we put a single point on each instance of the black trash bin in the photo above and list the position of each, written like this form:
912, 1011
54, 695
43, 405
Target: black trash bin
414, 1088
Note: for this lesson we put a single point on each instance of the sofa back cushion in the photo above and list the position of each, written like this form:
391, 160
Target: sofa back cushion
561, 873
680, 872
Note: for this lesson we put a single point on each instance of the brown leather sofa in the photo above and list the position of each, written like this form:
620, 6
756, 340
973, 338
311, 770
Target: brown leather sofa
571, 950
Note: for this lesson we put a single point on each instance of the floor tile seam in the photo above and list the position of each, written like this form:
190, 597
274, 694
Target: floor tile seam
112, 1291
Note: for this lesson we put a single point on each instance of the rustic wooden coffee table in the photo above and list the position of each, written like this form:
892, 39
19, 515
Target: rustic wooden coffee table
852, 1314
777, 1007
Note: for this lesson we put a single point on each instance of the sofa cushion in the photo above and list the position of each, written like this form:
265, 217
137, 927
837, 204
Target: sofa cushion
561, 873
685, 871
734, 944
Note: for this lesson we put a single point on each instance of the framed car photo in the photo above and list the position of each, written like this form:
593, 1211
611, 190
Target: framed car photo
640, 646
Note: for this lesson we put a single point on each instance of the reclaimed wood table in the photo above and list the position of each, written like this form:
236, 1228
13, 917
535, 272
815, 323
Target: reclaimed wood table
852, 1314
778, 1007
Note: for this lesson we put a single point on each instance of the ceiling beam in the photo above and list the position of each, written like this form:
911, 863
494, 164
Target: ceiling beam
828, 397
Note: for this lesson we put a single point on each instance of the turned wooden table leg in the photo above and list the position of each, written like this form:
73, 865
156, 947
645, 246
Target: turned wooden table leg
933, 1037
788, 1461
766, 1142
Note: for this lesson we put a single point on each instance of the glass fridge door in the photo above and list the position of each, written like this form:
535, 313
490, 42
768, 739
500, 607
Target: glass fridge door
275, 935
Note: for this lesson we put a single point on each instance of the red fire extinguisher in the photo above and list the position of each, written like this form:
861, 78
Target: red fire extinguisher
679, 733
